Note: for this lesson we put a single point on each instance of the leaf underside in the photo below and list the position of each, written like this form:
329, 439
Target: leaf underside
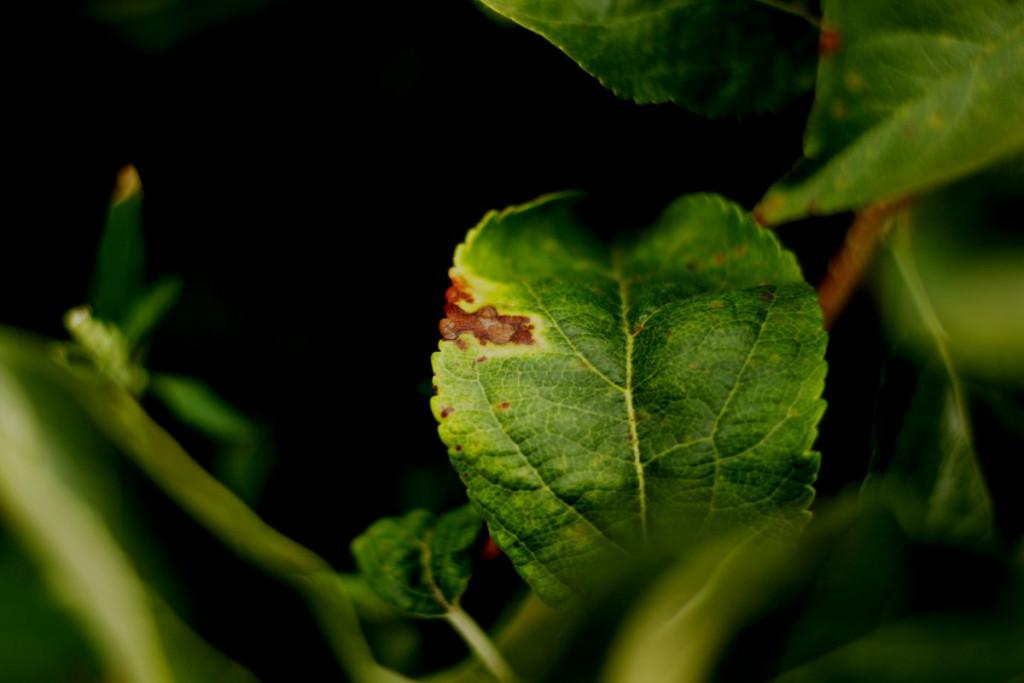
714, 57
652, 393
916, 94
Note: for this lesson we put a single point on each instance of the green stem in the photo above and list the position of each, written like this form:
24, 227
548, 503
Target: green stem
480, 643
794, 8
234, 523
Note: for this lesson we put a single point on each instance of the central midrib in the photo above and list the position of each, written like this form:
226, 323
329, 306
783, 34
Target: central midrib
634, 437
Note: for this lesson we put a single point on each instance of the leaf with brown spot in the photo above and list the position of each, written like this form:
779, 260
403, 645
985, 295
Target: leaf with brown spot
647, 414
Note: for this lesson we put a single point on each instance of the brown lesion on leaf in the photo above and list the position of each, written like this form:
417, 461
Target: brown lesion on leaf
486, 324
458, 291
829, 42
446, 411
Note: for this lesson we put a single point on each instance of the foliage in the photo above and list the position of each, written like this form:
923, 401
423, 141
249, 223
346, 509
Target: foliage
634, 419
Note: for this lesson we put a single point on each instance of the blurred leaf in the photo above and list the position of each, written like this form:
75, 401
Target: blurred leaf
149, 310
117, 414
197, 405
159, 25
657, 391
41, 641
245, 467
854, 601
965, 244
714, 57
929, 471
106, 348
913, 94
82, 561
419, 564
120, 262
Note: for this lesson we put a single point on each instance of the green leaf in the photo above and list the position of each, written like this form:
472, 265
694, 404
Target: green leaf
197, 405
149, 309
69, 540
419, 564
600, 402
120, 262
714, 57
916, 94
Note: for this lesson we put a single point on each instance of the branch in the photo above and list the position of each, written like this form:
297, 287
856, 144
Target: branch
847, 268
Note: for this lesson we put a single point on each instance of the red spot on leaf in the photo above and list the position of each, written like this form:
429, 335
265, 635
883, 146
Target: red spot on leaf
829, 42
481, 359
490, 551
486, 324
504, 405
446, 411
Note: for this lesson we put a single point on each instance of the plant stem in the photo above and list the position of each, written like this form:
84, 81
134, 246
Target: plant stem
794, 8
847, 268
480, 643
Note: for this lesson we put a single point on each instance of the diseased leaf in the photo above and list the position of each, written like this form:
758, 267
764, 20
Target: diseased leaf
914, 94
417, 563
714, 57
603, 401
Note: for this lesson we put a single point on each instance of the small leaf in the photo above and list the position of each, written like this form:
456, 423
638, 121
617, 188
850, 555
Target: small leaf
714, 57
149, 309
196, 404
120, 262
916, 93
419, 564
600, 402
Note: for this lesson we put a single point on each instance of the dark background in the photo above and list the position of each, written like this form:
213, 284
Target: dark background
308, 170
